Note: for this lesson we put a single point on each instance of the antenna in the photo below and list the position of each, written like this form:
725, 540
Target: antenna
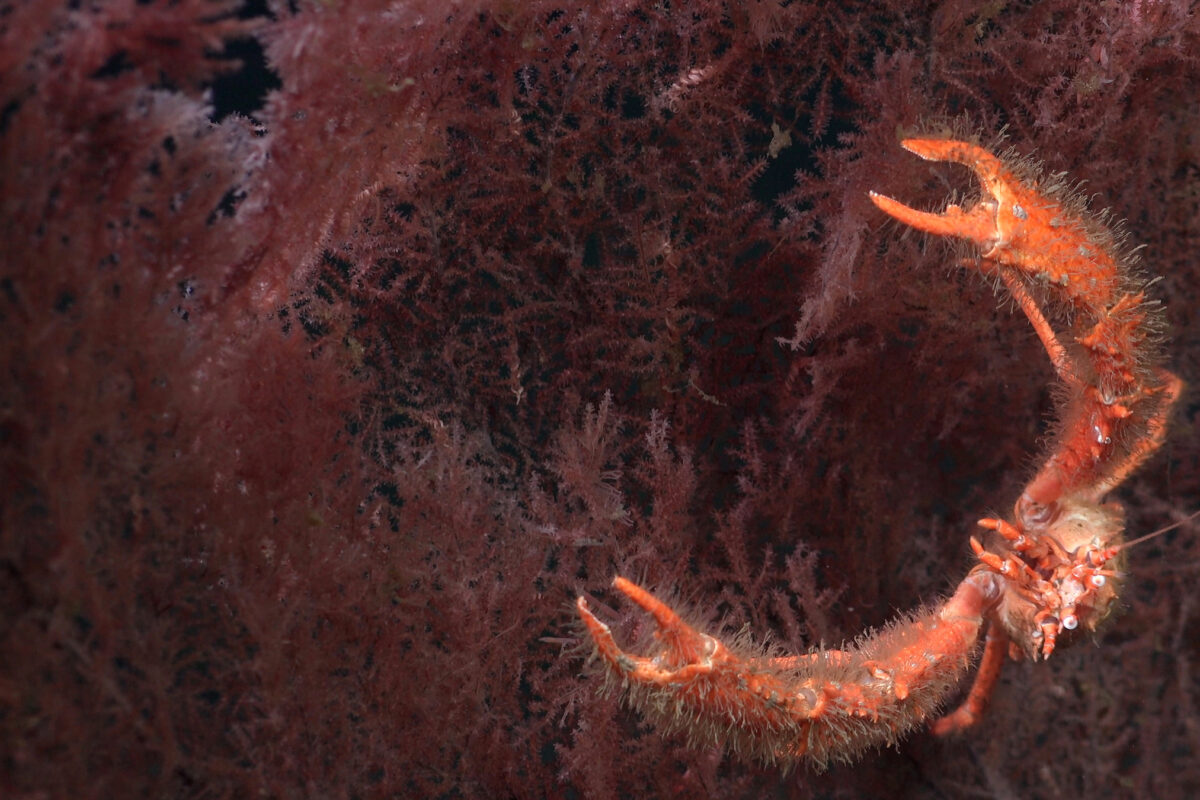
1161, 531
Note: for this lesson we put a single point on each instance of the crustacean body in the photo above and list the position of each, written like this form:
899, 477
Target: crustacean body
1053, 568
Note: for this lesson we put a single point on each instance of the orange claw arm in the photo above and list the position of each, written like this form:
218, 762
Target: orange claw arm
828, 705
1036, 239
1016, 225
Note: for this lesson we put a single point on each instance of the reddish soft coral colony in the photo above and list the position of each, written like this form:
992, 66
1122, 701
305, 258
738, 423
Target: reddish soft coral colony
1055, 570
316, 418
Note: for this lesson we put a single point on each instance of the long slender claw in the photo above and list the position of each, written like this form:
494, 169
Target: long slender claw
685, 652
996, 179
977, 225
1005, 188
981, 224
642, 669
601, 634
1015, 225
685, 645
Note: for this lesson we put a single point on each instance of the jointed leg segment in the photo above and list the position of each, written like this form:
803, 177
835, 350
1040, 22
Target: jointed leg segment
995, 651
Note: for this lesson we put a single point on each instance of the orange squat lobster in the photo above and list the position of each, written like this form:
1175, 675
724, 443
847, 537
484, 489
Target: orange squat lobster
1053, 570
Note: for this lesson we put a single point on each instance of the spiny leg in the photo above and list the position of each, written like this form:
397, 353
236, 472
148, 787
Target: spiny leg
1156, 434
1054, 348
995, 651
